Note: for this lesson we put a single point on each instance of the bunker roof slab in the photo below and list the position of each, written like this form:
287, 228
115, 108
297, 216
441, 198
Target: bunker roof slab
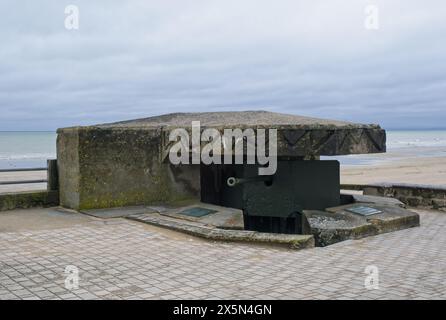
297, 135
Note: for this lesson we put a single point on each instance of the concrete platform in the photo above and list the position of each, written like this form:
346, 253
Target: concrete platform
339, 224
291, 241
222, 224
226, 224
222, 217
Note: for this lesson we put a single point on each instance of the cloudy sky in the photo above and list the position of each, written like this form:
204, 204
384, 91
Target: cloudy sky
135, 58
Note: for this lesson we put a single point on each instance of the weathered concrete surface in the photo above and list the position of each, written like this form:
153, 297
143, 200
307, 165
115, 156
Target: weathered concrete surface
337, 224
28, 199
291, 241
224, 224
124, 163
115, 212
297, 135
333, 225
102, 168
69, 168
413, 195
379, 200
221, 217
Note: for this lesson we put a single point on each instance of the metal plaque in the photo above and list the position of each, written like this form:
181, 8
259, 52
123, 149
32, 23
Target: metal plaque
197, 212
364, 211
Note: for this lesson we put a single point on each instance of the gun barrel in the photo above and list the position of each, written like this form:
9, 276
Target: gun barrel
233, 181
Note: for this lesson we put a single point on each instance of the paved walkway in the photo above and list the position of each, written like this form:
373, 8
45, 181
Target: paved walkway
122, 259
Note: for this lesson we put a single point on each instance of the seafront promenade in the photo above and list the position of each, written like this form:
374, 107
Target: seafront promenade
122, 259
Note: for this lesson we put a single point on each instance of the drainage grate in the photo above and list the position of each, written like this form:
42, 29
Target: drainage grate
197, 212
364, 211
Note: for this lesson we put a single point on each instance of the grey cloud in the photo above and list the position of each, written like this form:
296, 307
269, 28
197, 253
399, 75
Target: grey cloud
140, 58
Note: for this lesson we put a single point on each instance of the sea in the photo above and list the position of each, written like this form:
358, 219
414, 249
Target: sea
32, 149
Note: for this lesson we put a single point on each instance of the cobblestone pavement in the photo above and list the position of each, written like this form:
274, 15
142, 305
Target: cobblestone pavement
122, 259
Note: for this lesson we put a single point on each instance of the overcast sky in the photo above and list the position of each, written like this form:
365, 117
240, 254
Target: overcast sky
132, 59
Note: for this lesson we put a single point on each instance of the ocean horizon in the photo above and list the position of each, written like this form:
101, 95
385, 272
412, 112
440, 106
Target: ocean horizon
29, 149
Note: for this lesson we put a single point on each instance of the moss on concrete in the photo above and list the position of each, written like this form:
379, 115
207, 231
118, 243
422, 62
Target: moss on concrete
118, 168
23, 200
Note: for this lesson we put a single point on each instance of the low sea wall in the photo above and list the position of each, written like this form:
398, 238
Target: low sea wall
413, 195
23, 200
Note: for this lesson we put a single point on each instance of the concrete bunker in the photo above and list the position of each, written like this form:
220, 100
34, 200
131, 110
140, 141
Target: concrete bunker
127, 164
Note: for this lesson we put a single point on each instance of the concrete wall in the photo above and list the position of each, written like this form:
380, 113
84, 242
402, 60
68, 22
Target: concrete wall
23, 200
102, 168
410, 194
68, 167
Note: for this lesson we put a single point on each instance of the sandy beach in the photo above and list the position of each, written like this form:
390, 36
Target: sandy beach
417, 170
18, 176
414, 164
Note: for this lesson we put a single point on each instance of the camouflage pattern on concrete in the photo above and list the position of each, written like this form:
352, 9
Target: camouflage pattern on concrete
297, 135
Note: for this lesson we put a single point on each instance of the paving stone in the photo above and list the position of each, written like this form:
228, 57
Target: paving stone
128, 260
